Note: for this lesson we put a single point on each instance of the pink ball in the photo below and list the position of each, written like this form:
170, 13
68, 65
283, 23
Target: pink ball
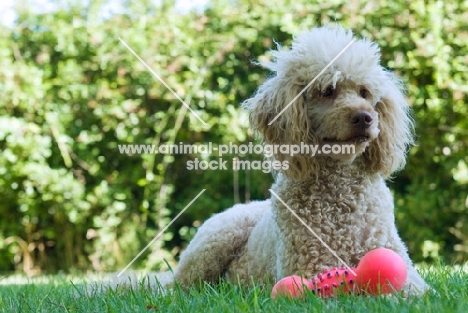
291, 286
381, 271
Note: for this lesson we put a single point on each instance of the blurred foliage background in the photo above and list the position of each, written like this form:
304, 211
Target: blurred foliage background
71, 91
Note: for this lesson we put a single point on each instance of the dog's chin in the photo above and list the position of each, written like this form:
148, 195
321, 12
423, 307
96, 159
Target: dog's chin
350, 148
356, 140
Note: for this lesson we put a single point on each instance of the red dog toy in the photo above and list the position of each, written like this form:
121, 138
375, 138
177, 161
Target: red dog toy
380, 271
291, 287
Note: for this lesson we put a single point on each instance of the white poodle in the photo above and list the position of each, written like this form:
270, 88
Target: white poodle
342, 197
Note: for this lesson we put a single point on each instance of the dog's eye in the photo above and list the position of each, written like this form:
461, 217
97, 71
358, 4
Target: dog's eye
328, 92
363, 93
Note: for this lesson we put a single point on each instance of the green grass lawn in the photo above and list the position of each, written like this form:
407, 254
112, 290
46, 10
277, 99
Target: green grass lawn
59, 294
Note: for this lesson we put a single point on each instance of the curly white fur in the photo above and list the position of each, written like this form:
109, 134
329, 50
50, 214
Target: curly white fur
343, 198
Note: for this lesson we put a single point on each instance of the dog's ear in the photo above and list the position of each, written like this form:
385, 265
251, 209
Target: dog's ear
266, 117
278, 127
387, 153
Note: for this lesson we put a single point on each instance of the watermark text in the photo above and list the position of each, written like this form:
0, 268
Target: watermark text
235, 149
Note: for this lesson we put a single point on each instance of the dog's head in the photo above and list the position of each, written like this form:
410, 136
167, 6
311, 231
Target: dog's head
351, 104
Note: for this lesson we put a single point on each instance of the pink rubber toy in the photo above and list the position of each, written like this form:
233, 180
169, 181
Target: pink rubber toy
291, 286
327, 282
380, 271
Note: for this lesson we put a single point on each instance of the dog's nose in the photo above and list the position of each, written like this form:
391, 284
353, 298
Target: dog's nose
361, 119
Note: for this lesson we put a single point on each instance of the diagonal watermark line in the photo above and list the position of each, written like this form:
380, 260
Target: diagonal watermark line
312, 81
314, 233
161, 80
160, 233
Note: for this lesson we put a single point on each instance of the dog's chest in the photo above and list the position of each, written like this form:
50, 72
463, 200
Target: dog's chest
344, 216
